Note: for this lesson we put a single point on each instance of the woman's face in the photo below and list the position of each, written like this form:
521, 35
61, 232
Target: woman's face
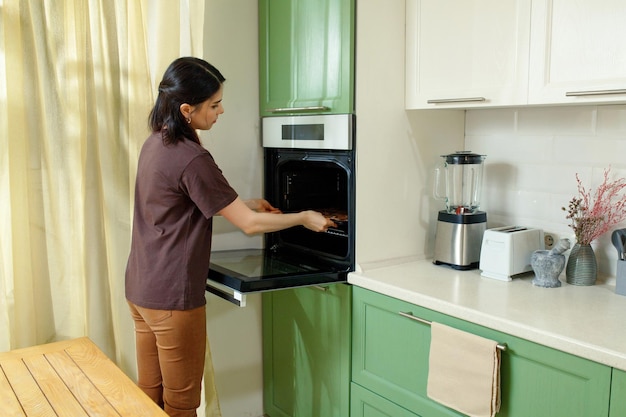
204, 115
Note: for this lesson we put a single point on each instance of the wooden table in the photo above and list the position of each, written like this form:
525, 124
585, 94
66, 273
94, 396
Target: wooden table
70, 378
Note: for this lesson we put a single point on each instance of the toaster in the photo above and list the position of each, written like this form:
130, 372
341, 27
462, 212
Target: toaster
506, 251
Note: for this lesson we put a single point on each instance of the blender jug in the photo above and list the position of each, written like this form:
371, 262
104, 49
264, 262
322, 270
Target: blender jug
461, 225
463, 172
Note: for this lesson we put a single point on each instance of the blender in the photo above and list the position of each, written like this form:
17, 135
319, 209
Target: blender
460, 227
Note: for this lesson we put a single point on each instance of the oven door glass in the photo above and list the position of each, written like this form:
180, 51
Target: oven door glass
253, 270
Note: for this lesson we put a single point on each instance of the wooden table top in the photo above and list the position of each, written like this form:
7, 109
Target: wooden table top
69, 378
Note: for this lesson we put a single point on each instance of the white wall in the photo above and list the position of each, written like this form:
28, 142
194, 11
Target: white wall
235, 333
396, 150
533, 155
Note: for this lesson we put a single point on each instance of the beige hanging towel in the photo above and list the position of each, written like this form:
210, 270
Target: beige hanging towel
464, 371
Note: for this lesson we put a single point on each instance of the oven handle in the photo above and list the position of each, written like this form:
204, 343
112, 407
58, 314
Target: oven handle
294, 109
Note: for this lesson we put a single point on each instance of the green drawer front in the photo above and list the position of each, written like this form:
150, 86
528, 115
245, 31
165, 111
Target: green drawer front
364, 403
390, 352
390, 358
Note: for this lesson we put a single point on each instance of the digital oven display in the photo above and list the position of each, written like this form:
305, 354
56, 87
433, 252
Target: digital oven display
303, 132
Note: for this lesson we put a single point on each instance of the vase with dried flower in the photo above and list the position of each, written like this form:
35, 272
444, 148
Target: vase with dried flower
591, 216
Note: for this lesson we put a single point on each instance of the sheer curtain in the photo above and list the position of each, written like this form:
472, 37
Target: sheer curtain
77, 80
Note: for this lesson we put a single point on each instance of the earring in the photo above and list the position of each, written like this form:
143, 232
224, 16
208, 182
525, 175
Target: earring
189, 120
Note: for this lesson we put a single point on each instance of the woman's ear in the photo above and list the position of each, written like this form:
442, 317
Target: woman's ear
185, 110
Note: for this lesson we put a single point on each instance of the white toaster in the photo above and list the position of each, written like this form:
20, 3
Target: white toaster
506, 251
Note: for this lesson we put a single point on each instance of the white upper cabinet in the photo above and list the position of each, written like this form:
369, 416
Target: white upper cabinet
490, 53
466, 53
578, 52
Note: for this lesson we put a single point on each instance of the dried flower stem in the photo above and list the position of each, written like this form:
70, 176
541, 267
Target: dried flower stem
592, 217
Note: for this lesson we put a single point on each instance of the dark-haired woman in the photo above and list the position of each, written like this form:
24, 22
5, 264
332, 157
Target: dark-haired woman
178, 190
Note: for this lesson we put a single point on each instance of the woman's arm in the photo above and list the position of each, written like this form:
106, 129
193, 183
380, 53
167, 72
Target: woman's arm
252, 222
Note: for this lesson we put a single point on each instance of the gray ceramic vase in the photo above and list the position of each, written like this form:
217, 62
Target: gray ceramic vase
548, 265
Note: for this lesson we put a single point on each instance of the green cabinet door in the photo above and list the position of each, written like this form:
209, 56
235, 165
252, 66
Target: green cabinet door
618, 394
390, 358
306, 352
306, 56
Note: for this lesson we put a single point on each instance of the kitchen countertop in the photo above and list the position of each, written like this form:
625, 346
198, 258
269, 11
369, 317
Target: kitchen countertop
589, 322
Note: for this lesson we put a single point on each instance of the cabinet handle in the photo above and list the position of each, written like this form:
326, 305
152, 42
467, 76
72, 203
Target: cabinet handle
594, 92
320, 288
455, 100
410, 315
500, 346
293, 109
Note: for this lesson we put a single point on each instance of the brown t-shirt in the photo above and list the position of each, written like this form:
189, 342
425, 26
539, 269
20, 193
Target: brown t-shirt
177, 191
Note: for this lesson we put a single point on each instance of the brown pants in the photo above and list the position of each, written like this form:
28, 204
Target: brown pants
170, 357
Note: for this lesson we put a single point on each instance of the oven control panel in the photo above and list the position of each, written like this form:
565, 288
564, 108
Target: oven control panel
331, 131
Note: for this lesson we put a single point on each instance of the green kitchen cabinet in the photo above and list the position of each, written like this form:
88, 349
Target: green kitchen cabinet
306, 351
390, 359
618, 394
306, 56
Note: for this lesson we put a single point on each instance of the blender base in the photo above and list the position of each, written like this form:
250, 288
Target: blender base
458, 239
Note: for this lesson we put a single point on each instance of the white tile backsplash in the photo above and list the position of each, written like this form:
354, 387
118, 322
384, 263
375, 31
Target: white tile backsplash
533, 156
546, 121
612, 121
492, 121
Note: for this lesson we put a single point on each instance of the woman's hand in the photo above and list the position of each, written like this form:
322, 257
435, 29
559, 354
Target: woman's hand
316, 221
261, 205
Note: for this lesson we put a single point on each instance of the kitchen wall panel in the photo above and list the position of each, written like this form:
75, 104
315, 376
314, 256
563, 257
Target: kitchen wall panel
396, 150
230, 43
533, 155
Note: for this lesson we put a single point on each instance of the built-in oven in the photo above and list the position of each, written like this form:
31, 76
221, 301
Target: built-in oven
309, 164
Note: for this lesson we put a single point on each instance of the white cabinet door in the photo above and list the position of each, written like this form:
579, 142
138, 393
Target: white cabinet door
578, 52
467, 53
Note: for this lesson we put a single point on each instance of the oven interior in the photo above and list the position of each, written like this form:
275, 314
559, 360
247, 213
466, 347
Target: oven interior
323, 181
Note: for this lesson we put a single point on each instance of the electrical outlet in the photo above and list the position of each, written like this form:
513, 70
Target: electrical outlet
548, 240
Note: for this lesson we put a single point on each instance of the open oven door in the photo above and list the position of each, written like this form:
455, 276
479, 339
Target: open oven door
235, 273
309, 164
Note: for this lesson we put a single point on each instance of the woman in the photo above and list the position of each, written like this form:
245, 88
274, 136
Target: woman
179, 188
